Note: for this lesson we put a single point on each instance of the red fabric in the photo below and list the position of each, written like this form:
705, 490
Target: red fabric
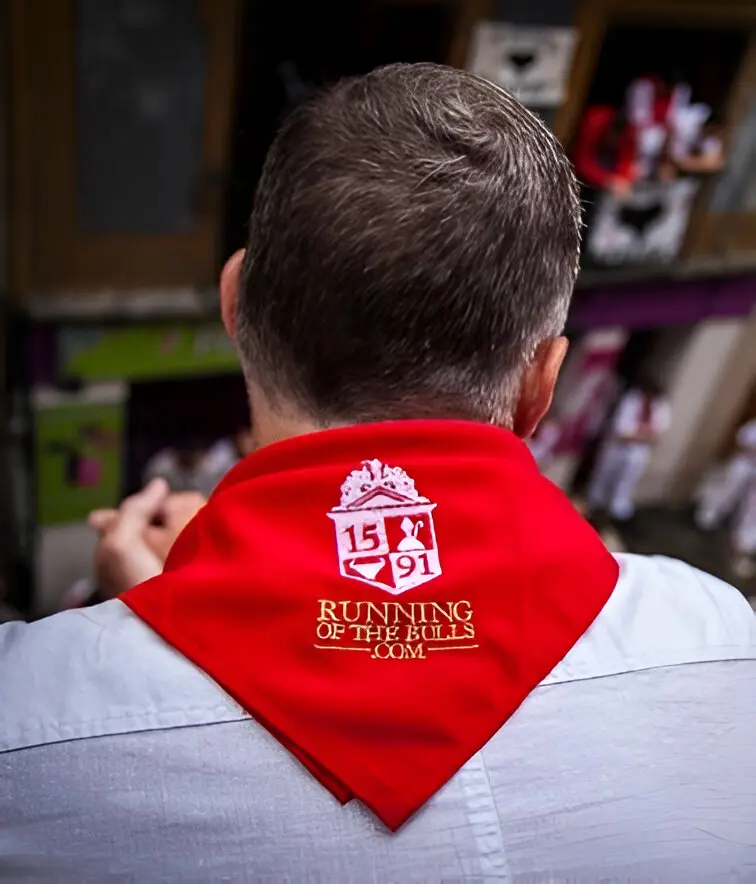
244, 586
594, 127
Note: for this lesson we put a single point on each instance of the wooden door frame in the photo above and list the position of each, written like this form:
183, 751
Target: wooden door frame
469, 14
726, 235
48, 251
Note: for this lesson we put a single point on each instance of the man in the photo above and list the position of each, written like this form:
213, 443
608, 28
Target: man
196, 468
387, 649
734, 494
184, 468
642, 417
543, 444
226, 453
720, 500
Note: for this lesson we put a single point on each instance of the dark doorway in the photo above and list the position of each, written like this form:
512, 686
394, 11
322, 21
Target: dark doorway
164, 414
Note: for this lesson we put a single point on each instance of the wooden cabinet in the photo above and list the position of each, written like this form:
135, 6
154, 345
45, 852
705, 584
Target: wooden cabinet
722, 224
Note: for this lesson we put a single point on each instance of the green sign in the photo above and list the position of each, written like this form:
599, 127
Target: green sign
78, 454
145, 352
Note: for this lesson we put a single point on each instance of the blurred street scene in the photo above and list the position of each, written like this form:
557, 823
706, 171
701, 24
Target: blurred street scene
132, 135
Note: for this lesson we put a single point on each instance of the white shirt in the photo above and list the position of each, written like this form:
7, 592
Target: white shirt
746, 437
543, 444
220, 458
633, 761
209, 470
628, 420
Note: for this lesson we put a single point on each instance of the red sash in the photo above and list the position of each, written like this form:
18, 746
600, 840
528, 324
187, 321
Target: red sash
382, 598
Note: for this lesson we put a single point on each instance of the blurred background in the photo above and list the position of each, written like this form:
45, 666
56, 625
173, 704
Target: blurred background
132, 133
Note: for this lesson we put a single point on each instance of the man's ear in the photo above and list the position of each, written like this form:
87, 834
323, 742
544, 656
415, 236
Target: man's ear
229, 291
537, 389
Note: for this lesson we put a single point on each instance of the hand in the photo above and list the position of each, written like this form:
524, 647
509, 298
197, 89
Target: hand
175, 514
136, 538
621, 188
704, 163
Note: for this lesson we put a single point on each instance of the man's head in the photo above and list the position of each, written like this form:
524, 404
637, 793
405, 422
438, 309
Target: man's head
412, 253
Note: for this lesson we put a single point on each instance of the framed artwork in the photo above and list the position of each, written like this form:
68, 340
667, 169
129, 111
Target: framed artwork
647, 226
532, 62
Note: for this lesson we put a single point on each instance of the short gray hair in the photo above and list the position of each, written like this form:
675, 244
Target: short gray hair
414, 238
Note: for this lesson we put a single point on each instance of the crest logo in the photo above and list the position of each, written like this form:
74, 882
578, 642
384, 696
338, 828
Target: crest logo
384, 529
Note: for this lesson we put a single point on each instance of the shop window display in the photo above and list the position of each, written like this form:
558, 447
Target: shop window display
652, 128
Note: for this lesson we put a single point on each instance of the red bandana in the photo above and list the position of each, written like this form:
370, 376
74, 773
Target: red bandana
382, 598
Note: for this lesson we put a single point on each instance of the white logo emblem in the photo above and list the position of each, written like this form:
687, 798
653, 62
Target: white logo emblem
384, 529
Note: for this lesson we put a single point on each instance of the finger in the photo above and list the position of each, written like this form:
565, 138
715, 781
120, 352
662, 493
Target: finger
102, 520
137, 511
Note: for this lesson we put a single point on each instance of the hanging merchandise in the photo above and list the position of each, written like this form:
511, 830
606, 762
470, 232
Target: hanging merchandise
650, 131
531, 62
656, 134
647, 226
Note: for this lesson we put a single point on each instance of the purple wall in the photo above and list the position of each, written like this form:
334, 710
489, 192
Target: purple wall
650, 305
631, 306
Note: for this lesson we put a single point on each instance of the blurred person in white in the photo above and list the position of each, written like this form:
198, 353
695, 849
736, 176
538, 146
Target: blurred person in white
743, 535
226, 453
543, 444
641, 419
722, 498
193, 467
512, 689
182, 467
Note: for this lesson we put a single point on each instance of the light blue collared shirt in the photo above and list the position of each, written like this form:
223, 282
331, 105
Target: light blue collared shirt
633, 761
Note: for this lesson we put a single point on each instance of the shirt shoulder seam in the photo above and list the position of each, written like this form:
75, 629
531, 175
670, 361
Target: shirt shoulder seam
45, 733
